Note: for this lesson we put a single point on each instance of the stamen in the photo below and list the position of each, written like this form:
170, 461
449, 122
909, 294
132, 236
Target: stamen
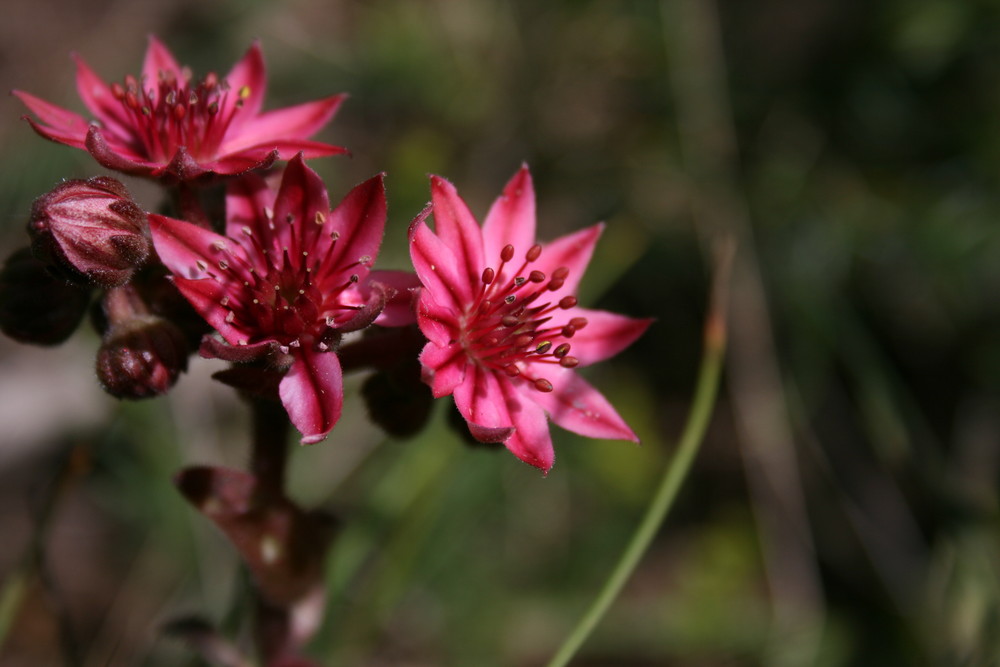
507, 253
533, 253
488, 275
567, 302
569, 362
536, 276
561, 351
543, 385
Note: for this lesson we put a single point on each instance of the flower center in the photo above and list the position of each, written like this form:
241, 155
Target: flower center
506, 329
176, 112
284, 293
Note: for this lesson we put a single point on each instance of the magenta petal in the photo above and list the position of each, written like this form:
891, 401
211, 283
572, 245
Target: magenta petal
511, 218
59, 136
358, 223
158, 60
576, 406
301, 204
438, 270
206, 297
246, 199
572, 251
481, 400
436, 321
114, 157
313, 393
247, 82
283, 148
98, 98
63, 120
401, 287
446, 365
605, 335
182, 245
237, 164
531, 441
457, 228
297, 122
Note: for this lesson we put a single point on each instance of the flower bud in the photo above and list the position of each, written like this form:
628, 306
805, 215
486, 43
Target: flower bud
141, 357
36, 307
90, 231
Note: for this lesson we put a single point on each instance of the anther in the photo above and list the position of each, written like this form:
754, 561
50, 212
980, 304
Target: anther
569, 362
568, 331
244, 92
320, 218
560, 273
488, 275
509, 321
533, 253
536, 276
561, 351
507, 253
520, 280
555, 284
543, 385
509, 299
578, 322
524, 340
567, 302
511, 370
543, 347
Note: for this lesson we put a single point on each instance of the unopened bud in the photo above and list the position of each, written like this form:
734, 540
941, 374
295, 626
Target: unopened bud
141, 357
35, 306
90, 231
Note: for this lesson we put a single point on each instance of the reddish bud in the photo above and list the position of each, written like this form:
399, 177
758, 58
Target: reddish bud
90, 232
141, 357
35, 306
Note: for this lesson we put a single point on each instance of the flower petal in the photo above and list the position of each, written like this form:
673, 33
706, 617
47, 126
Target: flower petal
511, 218
358, 224
247, 197
531, 441
182, 245
57, 118
436, 321
401, 287
445, 366
301, 202
572, 251
297, 122
457, 228
159, 60
247, 83
576, 406
206, 297
481, 400
241, 162
313, 393
98, 98
438, 269
605, 334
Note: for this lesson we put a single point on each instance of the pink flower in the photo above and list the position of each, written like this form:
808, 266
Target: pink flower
287, 281
506, 334
167, 125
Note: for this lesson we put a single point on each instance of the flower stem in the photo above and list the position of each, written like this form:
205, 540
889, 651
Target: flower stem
694, 431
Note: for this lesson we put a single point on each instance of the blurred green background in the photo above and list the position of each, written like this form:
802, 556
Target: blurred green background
843, 510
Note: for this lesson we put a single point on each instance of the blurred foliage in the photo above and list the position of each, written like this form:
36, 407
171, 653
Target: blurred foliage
869, 161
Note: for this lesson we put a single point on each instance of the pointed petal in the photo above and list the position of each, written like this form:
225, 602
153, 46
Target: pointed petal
301, 198
359, 223
313, 393
438, 269
511, 218
445, 366
457, 228
236, 164
576, 406
113, 157
158, 59
436, 321
59, 136
605, 335
401, 287
246, 199
298, 122
572, 251
56, 117
182, 245
206, 297
98, 98
247, 82
285, 149
481, 400
531, 441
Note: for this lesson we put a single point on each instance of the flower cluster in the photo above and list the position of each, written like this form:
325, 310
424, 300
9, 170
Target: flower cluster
287, 276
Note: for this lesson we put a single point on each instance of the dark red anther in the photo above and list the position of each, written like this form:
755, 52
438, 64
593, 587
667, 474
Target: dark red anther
561, 273
555, 283
118, 91
567, 302
533, 253
509, 321
507, 253
543, 385
179, 111
511, 370
578, 322
569, 362
543, 347
509, 299
488, 275
568, 331
536, 276
520, 280
561, 351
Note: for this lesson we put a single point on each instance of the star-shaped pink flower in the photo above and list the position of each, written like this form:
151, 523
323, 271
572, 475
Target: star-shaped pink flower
165, 124
505, 332
288, 279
